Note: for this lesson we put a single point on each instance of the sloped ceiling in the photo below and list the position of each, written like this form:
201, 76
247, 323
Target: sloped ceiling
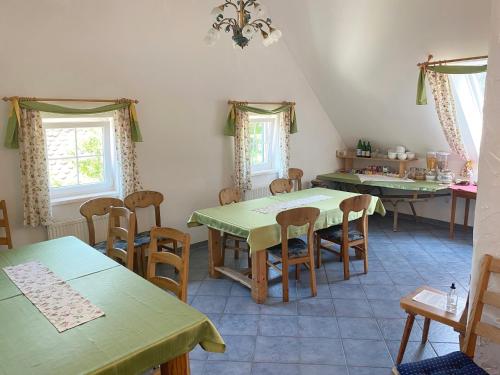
360, 58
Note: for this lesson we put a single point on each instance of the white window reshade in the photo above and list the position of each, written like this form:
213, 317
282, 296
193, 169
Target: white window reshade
264, 143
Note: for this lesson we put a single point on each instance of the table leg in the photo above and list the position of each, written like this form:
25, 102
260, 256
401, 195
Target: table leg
259, 276
215, 254
425, 332
176, 366
452, 218
406, 335
395, 212
466, 214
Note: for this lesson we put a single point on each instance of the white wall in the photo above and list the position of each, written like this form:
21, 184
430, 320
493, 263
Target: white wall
486, 234
153, 51
360, 58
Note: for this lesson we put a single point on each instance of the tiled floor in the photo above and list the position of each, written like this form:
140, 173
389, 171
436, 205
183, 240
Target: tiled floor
352, 327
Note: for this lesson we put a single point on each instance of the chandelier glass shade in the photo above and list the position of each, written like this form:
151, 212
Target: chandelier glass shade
248, 21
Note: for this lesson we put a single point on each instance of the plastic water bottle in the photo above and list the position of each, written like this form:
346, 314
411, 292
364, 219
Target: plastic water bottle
452, 300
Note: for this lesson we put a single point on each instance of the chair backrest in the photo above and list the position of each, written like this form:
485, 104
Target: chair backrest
180, 263
118, 232
97, 207
4, 223
144, 199
280, 185
296, 174
229, 195
355, 204
482, 297
297, 217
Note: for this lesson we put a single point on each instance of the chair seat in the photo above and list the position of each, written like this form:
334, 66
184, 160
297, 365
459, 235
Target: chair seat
296, 249
119, 244
334, 234
142, 239
456, 363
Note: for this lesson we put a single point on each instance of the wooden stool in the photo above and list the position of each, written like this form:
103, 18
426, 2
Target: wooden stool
413, 308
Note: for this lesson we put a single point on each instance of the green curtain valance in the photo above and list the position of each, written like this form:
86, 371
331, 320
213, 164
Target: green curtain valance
12, 133
230, 127
446, 69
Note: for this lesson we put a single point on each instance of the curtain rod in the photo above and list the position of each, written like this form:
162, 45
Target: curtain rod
439, 62
8, 99
245, 102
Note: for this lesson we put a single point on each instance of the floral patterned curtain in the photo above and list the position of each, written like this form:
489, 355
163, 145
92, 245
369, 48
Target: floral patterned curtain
242, 165
445, 107
284, 141
128, 178
34, 174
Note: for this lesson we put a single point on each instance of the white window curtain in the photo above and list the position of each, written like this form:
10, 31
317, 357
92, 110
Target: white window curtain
128, 172
34, 172
284, 143
242, 164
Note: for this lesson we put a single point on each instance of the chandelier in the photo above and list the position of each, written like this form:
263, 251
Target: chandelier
248, 21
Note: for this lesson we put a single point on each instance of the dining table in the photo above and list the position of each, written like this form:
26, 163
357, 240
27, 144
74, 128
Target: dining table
142, 327
255, 220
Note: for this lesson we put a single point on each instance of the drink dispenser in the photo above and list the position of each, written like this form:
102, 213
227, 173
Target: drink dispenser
442, 160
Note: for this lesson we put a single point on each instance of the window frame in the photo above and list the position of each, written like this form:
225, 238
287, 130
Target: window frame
270, 144
82, 191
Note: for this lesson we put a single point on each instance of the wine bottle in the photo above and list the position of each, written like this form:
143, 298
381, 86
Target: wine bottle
369, 150
359, 149
364, 149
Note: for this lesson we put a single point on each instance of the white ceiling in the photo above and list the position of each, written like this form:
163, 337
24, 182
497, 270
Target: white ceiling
360, 58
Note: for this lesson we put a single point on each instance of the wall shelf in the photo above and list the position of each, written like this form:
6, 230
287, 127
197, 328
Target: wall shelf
348, 162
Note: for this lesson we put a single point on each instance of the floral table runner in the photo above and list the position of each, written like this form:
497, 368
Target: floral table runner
64, 307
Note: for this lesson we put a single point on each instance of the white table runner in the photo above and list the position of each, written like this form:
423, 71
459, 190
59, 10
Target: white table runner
64, 307
282, 206
381, 178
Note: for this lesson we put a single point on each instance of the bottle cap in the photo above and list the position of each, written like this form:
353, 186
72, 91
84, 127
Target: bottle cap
453, 286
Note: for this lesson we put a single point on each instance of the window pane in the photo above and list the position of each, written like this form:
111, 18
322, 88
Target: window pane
60, 143
91, 170
89, 141
62, 173
257, 147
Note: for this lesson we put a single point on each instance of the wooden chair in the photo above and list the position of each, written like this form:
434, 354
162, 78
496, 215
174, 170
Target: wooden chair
345, 237
462, 361
120, 243
229, 196
4, 223
294, 251
97, 207
145, 199
180, 263
414, 308
295, 175
280, 185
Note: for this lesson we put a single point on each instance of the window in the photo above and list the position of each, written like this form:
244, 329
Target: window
79, 156
468, 90
264, 143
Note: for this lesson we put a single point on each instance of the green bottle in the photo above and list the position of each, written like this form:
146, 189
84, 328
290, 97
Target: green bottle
359, 149
364, 149
369, 150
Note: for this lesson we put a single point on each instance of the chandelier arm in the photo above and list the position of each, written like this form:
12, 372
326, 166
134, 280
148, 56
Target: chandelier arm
260, 21
230, 2
225, 21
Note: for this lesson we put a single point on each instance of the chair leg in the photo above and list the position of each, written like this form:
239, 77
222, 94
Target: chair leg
297, 272
404, 340
345, 259
425, 332
249, 259
312, 276
365, 258
318, 251
284, 277
237, 252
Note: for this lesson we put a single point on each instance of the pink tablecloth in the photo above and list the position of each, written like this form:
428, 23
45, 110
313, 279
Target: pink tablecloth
468, 188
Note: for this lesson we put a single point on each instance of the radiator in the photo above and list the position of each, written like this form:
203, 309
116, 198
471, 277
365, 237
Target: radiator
78, 228
257, 193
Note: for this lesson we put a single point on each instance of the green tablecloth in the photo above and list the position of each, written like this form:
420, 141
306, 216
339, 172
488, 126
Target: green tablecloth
68, 257
261, 230
143, 327
424, 186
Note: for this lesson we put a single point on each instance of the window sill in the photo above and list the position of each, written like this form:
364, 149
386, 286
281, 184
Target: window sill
82, 198
265, 173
